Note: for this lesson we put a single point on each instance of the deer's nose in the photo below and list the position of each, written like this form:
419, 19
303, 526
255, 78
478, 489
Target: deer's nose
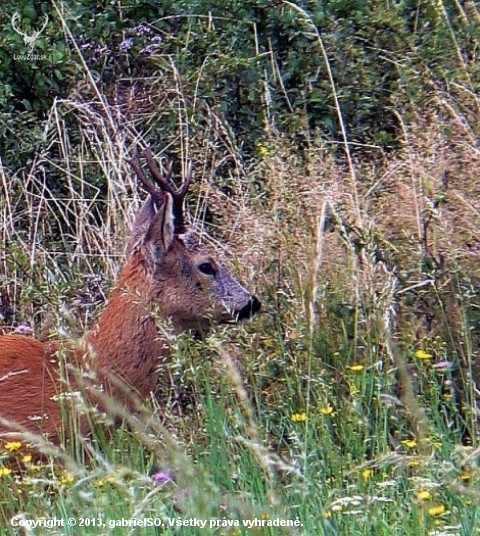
252, 307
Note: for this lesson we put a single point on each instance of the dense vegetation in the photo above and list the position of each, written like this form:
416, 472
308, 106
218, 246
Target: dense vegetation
336, 157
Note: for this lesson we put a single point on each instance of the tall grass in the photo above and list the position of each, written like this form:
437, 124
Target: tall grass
348, 404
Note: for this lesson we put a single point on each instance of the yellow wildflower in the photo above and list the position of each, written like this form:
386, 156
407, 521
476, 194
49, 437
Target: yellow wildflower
298, 417
262, 149
66, 479
26, 458
424, 495
434, 441
354, 390
12, 445
100, 482
436, 511
327, 410
35, 468
367, 473
409, 443
4, 471
421, 354
356, 368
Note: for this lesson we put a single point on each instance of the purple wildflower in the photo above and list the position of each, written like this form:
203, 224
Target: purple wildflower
126, 44
23, 328
162, 477
143, 29
443, 365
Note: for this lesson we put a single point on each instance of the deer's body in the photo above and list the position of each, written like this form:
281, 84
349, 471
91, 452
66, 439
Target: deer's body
167, 276
25, 364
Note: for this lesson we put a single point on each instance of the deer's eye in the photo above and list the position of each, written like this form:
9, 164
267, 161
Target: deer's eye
206, 268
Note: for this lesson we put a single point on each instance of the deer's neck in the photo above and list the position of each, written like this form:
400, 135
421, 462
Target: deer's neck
126, 341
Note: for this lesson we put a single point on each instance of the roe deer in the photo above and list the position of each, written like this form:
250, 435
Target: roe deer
167, 275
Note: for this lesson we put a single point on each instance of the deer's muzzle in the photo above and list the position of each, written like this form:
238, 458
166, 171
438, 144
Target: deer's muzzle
252, 307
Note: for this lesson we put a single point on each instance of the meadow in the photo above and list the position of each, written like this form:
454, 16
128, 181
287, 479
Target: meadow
349, 404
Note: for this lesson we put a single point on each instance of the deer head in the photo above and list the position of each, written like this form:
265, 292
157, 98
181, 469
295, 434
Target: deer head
187, 283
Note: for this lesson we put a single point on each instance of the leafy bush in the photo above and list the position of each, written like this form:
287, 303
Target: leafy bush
257, 63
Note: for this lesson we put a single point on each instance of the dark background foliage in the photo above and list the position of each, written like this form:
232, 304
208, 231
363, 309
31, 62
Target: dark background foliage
255, 62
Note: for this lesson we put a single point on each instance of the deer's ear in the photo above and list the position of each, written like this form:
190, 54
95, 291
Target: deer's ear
154, 228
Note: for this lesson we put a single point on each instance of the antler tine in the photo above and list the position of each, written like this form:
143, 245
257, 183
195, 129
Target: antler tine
137, 167
187, 179
165, 182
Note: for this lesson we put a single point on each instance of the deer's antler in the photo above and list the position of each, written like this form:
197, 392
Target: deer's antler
164, 181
